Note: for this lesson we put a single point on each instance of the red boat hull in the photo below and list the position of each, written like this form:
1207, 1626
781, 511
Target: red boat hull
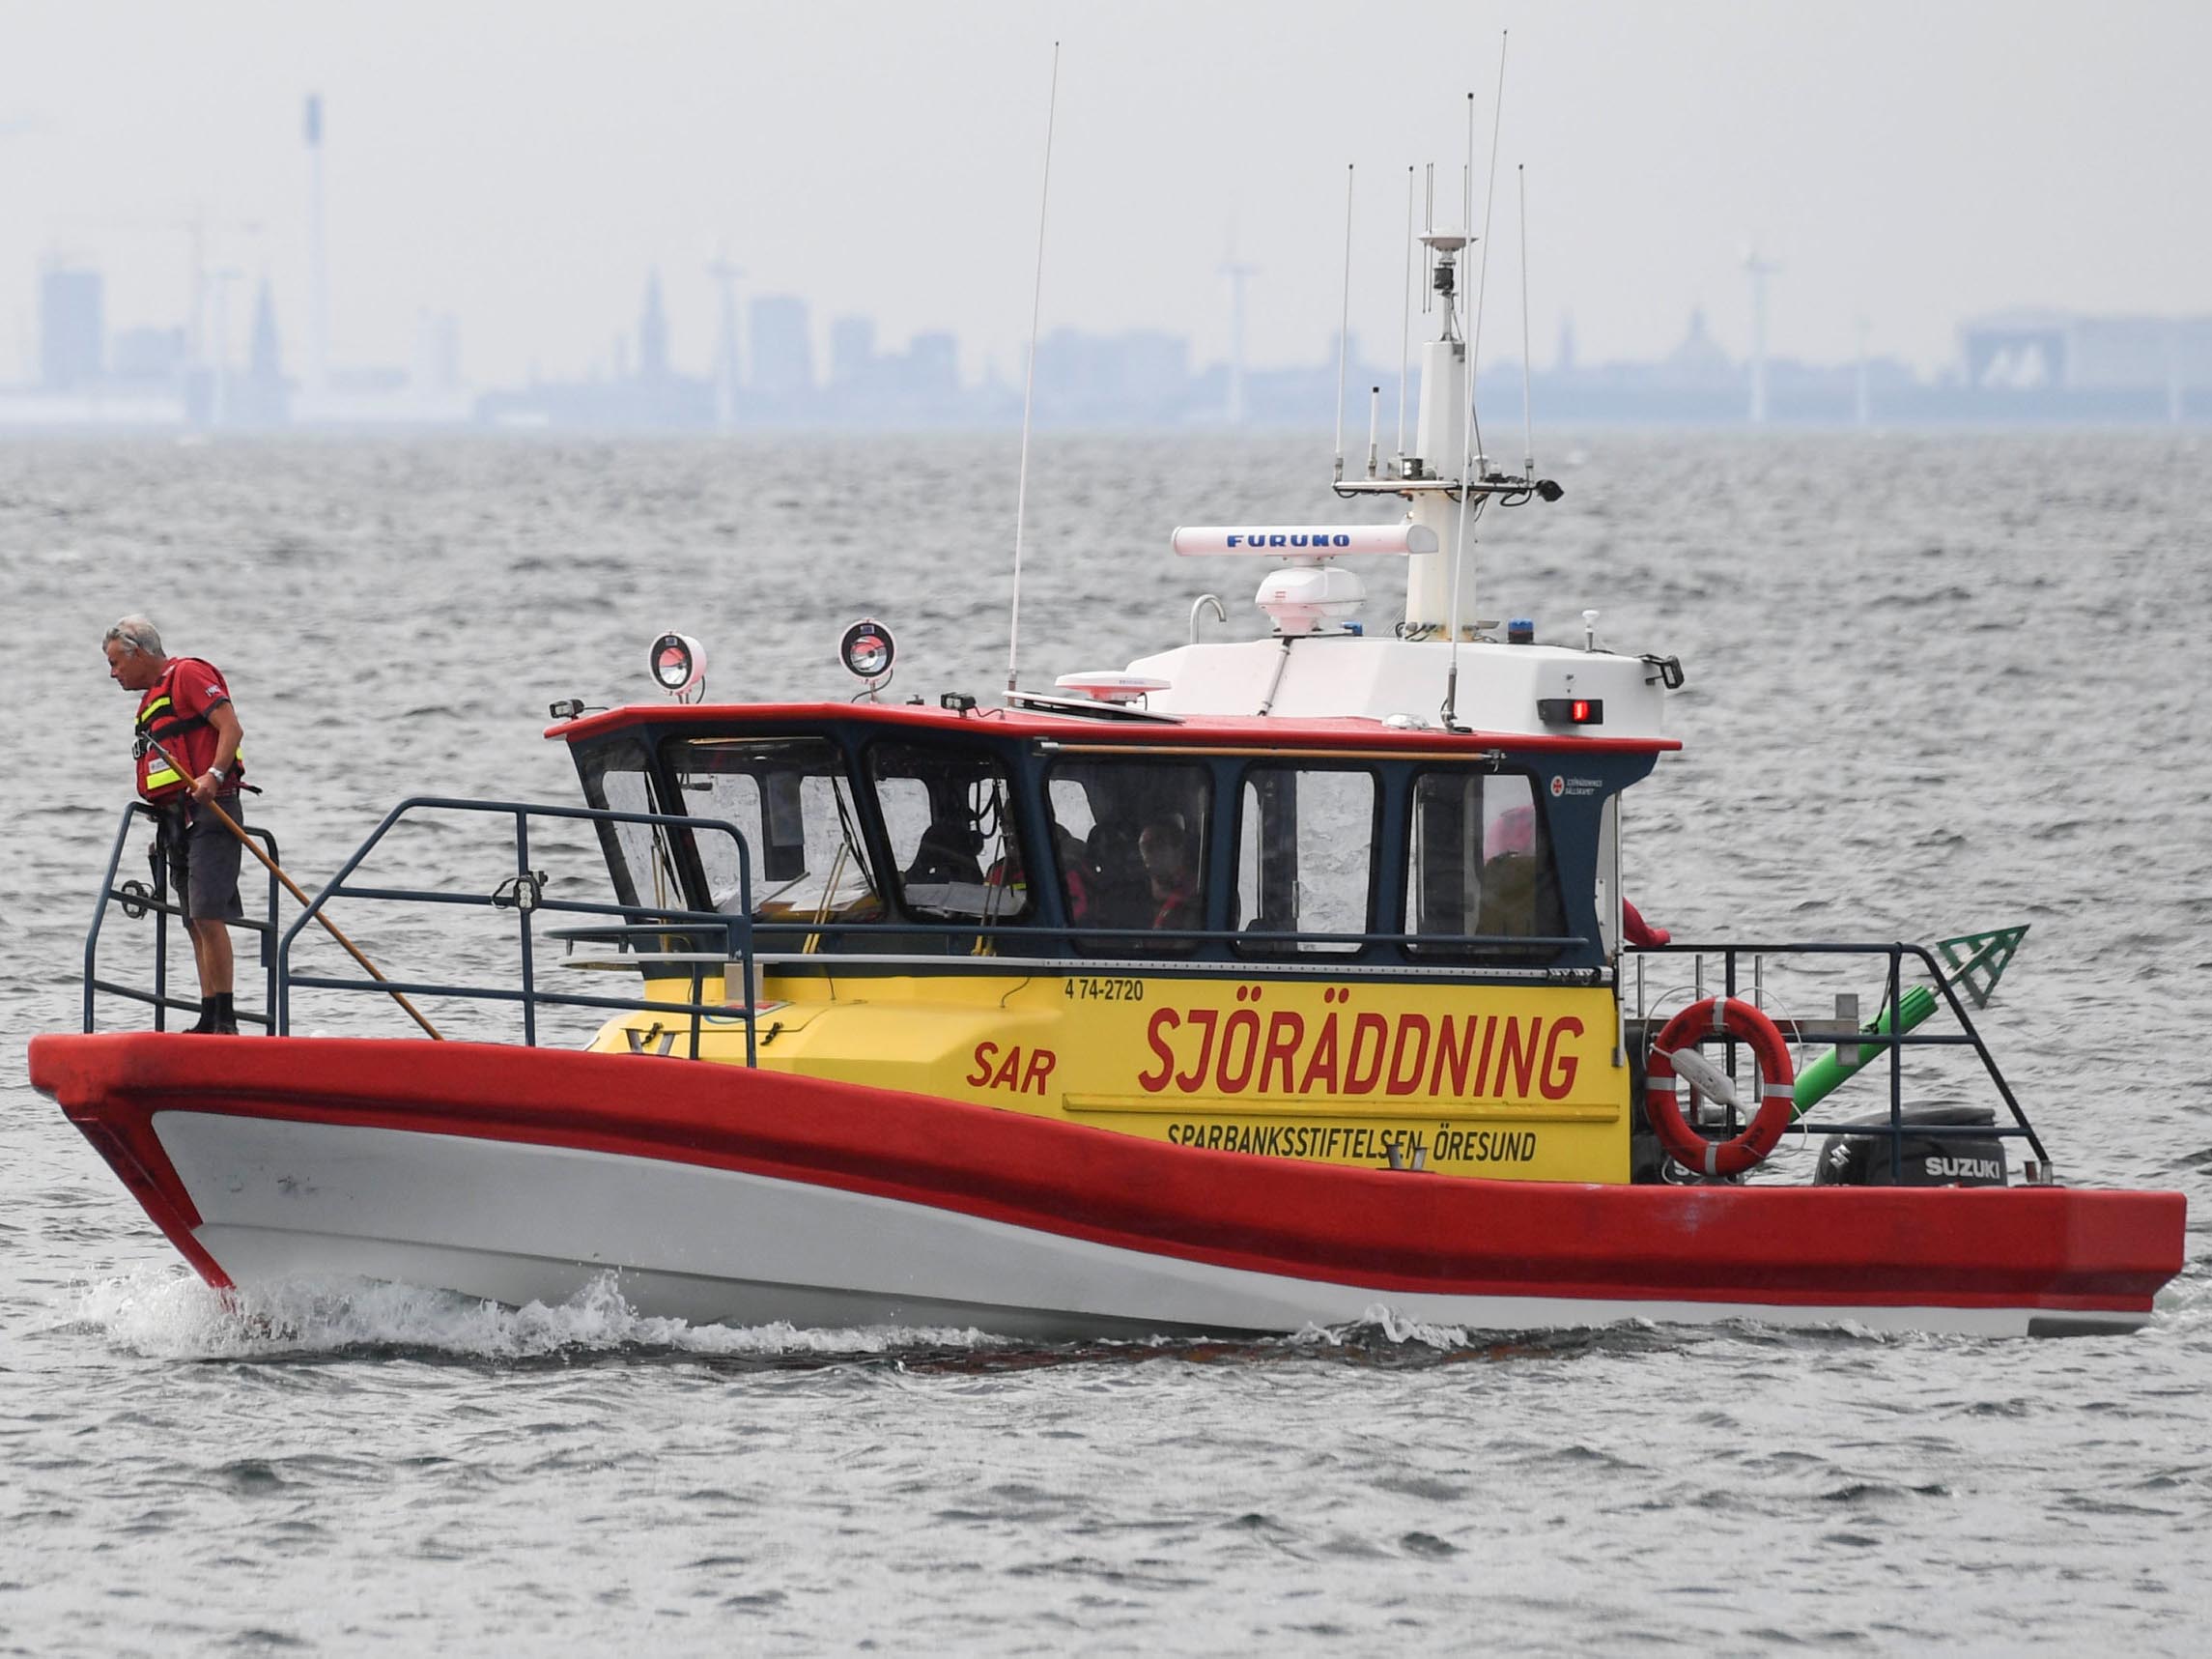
1231, 1234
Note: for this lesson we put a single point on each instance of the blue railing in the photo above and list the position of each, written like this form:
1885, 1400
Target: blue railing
524, 893
1864, 1037
137, 899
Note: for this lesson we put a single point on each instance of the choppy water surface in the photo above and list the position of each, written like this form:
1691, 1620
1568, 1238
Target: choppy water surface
1934, 686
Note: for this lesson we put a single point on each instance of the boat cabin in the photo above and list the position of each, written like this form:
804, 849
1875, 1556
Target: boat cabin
898, 830
1327, 938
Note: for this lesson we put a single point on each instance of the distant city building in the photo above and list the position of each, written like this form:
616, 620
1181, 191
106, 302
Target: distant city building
852, 353
2011, 367
1112, 379
264, 399
1699, 359
933, 366
2027, 350
148, 356
438, 353
653, 334
783, 349
72, 328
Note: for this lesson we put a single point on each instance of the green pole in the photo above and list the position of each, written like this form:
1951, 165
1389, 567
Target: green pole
1830, 1071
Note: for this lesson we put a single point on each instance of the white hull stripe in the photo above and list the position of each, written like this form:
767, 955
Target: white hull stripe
516, 1222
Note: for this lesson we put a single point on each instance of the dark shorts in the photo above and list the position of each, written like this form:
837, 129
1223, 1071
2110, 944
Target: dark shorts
204, 860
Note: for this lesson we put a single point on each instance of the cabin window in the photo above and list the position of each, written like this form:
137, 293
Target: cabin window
641, 858
1482, 871
791, 800
949, 815
1305, 843
1131, 841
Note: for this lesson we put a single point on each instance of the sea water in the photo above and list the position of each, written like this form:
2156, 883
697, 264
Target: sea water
1936, 686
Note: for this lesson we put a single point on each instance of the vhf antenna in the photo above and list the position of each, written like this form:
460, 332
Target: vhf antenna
1406, 324
1527, 404
1482, 271
1344, 321
1449, 715
1029, 389
1428, 253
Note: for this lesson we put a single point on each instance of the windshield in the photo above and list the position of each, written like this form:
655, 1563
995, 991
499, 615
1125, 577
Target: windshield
947, 815
792, 802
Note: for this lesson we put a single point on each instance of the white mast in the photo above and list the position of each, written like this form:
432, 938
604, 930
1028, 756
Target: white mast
1440, 440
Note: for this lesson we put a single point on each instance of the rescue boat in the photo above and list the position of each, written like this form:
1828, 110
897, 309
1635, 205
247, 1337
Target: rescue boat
1251, 986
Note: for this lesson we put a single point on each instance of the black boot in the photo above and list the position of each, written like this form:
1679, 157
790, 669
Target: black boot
206, 1023
226, 1014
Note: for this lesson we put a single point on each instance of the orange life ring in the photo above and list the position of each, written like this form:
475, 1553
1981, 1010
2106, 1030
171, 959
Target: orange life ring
1717, 1016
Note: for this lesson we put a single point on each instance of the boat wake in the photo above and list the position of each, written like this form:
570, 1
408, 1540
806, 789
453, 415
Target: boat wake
161, 1315
155, 1313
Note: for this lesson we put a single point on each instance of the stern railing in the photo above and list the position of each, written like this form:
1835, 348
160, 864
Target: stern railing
1845, 1031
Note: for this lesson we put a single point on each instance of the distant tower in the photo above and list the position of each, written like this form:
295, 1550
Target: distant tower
1566, 362
1239, 275
264, 402
1863, 404
219, 409
725, 368
2173, 401
73, 328
1758, 270
653, 334
852, 354
782, 347
318, 265
265, 364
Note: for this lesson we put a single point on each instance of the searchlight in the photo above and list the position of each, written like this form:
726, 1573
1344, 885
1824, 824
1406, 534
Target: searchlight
679, 667
866, 650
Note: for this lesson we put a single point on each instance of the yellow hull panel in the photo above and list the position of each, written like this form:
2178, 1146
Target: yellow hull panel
1507, 1082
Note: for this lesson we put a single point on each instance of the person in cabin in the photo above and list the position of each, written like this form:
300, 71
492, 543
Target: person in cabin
1511, 870
184, 706
1171, 866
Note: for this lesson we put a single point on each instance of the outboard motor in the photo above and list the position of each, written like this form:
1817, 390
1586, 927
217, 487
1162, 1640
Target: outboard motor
1930, 1160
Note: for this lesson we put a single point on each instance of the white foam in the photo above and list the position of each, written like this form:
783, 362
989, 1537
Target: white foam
1380, 1317
163, 1314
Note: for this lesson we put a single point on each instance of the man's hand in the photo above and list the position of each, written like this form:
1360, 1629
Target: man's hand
204, 787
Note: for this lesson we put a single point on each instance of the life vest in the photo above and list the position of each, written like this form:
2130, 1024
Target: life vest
190, 736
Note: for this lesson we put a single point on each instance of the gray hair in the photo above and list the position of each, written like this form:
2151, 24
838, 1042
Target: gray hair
138, 634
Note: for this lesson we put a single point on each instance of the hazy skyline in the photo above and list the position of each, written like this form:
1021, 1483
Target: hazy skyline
522, 167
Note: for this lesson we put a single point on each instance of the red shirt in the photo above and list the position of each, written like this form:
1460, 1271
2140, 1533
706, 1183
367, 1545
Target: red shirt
175, 711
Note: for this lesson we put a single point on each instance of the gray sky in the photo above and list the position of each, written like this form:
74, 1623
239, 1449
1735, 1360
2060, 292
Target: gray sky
523, 165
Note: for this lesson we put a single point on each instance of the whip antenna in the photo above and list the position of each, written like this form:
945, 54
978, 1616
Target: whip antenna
1406, 324
1449, 714
1029, 389
1344, 321
1482, 271
1527, 404
1428, 253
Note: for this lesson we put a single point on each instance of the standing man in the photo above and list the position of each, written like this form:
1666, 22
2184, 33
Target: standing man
185, 707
